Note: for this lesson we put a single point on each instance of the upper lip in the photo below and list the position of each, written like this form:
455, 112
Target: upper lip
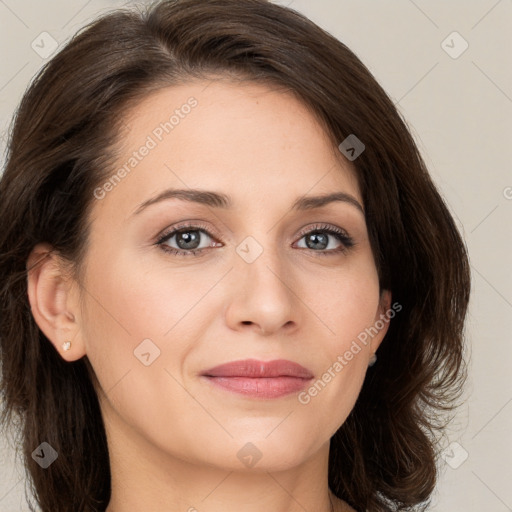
255, 368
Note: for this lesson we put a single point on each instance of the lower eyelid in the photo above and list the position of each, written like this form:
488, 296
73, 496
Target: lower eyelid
172, 234
345, 241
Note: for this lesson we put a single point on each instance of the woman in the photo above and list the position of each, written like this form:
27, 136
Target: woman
212, 220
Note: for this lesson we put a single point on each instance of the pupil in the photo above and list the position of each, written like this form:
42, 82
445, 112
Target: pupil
190, 240
317, 239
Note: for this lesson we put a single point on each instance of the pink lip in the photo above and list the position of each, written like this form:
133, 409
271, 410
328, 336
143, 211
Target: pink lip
261, 379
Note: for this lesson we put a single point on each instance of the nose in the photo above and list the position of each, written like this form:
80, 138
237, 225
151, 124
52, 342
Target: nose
264, 295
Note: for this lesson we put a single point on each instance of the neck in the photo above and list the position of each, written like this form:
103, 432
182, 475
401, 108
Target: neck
146, 478
195, 489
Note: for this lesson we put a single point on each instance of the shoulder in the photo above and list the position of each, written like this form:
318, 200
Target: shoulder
342, 506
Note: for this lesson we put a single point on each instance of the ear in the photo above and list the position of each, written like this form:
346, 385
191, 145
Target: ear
54, 301
382, 319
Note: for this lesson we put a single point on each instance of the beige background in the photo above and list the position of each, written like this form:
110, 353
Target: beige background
460, 111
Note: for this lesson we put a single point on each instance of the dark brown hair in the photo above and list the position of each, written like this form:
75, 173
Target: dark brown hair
62, 145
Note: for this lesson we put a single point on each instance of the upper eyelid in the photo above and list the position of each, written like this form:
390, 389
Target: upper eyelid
168, 233
318, 226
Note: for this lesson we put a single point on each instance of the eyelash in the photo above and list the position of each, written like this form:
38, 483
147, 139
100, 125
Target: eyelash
338, 233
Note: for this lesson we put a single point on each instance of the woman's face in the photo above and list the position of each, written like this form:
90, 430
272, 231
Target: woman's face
260, 286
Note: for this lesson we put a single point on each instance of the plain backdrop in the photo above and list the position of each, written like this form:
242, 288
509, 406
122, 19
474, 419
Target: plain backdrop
447, 65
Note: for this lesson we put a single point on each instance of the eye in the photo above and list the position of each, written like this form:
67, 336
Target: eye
192, 240
188, 240
318, 239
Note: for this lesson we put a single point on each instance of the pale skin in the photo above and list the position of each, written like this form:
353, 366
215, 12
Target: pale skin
173, 440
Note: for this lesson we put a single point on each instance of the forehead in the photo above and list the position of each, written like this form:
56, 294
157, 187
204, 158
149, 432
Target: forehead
252, 141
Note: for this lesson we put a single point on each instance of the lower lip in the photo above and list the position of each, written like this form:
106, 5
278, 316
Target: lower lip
272, 387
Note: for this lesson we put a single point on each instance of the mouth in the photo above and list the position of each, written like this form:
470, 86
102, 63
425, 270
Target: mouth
259, 379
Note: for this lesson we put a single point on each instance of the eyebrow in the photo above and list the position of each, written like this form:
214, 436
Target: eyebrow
218, 200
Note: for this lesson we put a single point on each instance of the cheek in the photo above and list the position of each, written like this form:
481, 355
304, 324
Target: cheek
348, 307
128, 304
346, 300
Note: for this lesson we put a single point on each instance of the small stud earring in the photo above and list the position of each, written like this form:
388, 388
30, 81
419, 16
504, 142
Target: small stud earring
66, 345
372, 360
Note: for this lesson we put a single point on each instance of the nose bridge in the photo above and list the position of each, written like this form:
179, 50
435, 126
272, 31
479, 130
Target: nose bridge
264, 292
261, 262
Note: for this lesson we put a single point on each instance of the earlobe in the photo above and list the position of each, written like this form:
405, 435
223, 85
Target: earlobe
385, 300
381, 320
53, 302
